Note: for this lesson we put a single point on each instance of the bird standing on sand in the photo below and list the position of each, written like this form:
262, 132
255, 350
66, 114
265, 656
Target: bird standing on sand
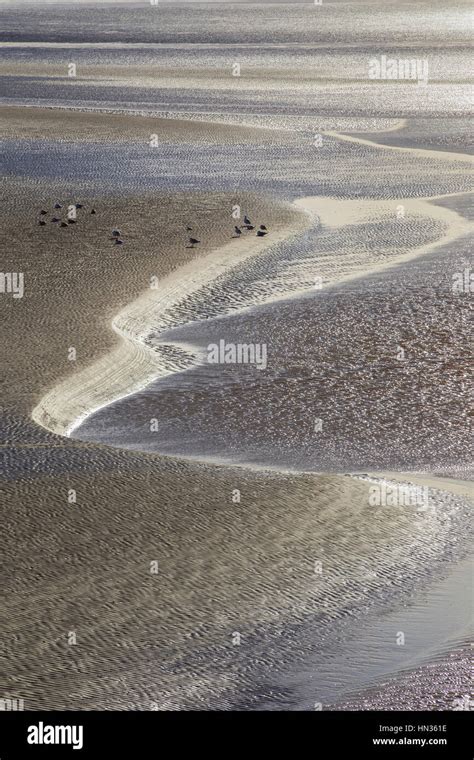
247, 220
43, 212
116, 233
63, 224
189, 229
54, 220
41, 223
93, 211
57, 205
193, 242
262, 227
261, 233
238, 231
118, 241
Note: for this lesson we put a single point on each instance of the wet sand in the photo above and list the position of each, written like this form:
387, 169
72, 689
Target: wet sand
69, 125
444, 684
135, 363
236, 548
76, 278
147, 640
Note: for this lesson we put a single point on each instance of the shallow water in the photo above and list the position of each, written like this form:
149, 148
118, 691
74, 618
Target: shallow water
300, 64
375, 409
330, 24
431, 623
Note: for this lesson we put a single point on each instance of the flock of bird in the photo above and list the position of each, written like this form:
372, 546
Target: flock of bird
72, 219
247, 225
117, 235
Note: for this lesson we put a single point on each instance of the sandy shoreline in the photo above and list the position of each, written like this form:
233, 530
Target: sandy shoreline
133, 365
85, 280
443, 155
69, 124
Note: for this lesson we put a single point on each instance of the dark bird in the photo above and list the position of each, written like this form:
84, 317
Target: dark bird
57, 205
116, 233
71, 221
43, 213
63, 224
54, 219
262, 227
42, 223
79, 205
238, 231
93, 211
247, 220
249, 226
260, 233
189, 229
193, 242
118, 241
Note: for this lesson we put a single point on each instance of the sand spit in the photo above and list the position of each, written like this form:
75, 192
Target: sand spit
339, 213
77, 280
462, 488
130, 364
134, 364
419, 152
69, 124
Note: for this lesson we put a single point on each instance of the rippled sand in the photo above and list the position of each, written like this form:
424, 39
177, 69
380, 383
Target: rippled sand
76, 279
331, 348
225, 567
69, 126
138, 581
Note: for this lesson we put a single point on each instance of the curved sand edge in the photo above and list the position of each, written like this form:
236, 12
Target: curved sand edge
339, 213
456, 486
421, 152
133, 364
